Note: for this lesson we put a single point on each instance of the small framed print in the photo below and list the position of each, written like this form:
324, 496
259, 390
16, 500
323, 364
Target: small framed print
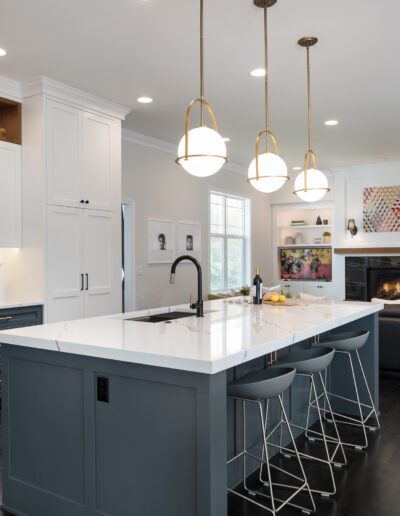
189, 239
161, 246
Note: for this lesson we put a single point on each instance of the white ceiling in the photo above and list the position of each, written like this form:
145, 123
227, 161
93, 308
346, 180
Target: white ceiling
123, 49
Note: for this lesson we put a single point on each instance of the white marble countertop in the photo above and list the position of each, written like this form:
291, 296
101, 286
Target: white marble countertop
228, 335
4, 305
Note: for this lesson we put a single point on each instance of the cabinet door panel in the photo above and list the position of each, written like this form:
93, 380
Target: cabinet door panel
64, 164
292, 288
318, 289
10, 195
64, 264
97, 162
101, 249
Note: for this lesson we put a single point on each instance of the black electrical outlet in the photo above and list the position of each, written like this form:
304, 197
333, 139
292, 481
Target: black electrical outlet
103, 391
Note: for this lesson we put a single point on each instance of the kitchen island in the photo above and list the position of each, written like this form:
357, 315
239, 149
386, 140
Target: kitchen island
128, 417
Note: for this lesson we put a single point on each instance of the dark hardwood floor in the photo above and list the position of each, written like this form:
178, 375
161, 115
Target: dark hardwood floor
369, 485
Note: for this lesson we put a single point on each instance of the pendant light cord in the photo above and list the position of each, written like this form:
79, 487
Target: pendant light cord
201, 61
309, 100
266, 79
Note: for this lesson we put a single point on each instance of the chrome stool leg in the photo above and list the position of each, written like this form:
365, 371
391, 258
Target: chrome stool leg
361, 420
265, 461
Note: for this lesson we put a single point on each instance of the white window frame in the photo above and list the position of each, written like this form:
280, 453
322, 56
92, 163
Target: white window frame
246, 238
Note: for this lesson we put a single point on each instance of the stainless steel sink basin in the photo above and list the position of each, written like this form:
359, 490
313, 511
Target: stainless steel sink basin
165, 317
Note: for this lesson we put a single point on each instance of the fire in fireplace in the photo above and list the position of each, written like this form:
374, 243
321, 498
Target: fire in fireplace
384, 283
389, 290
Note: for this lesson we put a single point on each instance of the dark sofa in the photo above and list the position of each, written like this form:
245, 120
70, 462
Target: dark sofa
389, 338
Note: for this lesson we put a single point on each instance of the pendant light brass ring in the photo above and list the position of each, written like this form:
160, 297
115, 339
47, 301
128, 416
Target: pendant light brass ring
270, 134
205, 104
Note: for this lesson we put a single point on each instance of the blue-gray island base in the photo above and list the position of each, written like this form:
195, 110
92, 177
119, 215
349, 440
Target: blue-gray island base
156, 445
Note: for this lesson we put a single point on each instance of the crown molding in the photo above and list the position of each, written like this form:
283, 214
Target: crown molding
163, 146
58, 90
10, 89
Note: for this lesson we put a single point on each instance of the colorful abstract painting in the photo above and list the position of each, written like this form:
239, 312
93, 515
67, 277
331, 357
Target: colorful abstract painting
306, 264
381, 209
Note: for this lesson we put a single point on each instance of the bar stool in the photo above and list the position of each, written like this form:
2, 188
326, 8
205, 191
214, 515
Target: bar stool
348, 344
310, 363
256, 387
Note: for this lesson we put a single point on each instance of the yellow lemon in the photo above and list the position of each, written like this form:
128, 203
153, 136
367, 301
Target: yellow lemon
275, 298
282, 299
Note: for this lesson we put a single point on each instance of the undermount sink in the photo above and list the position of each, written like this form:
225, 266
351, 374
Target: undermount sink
165, 317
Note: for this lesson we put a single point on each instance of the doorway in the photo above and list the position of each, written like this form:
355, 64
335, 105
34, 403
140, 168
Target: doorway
128, 256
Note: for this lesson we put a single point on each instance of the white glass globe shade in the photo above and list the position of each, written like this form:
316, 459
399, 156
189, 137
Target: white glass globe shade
208, 150
317, 185
272, 166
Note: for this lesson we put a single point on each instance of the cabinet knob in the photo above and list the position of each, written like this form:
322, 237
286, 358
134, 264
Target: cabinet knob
86, 202
82, 201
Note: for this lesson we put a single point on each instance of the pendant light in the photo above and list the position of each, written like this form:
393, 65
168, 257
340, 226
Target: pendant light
311, 184
202, 150
267, 172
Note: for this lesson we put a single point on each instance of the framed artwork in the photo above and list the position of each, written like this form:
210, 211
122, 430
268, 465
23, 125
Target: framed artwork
381, 209
189, 239
306, 264
161, 247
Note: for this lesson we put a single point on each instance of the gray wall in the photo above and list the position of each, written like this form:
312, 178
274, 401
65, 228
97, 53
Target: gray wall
161, 189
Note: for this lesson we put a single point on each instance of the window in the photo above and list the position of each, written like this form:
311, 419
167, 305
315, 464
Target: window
229, 241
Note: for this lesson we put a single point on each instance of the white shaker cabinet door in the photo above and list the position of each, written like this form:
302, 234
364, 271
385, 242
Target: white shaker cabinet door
65, 281
10, 195
102, 265
64, 160
98, 167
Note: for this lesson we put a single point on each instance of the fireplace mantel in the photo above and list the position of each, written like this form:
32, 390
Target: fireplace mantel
367, 250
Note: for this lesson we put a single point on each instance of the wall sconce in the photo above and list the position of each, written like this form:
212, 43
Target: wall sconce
351, 226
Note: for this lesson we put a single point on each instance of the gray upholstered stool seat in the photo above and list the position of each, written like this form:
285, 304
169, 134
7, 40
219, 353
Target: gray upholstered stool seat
349, 341
348, 344
308, 361
262, 384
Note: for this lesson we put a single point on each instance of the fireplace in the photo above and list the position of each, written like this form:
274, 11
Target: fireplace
384, 283
368, 277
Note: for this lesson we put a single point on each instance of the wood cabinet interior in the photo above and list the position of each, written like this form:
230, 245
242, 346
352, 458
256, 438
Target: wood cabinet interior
10, 121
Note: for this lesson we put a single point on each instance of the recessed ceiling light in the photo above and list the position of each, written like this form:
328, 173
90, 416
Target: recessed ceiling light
331, 122
226, 139
3, 52
258, 72
145, 100
296, 168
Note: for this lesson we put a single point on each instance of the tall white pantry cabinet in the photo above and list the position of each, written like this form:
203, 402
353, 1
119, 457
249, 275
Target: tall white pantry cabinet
72, 199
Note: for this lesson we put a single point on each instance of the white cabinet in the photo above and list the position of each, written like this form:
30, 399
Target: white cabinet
10, 195
292, 288
64, 264
83, 273
81, 168
64, 167
318, 289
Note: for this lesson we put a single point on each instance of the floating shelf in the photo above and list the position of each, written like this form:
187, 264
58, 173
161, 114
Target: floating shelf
291, 246
10, 121
314, 226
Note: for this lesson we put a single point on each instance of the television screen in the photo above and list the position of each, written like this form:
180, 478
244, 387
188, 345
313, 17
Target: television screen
306, 264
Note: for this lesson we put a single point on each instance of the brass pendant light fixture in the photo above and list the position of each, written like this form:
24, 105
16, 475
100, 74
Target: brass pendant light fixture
202, 150
311, 184
267, 172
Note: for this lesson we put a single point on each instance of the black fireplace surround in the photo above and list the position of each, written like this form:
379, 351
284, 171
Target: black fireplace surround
368, 277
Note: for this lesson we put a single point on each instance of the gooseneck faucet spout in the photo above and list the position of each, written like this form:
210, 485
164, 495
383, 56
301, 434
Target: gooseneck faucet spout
199, 303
